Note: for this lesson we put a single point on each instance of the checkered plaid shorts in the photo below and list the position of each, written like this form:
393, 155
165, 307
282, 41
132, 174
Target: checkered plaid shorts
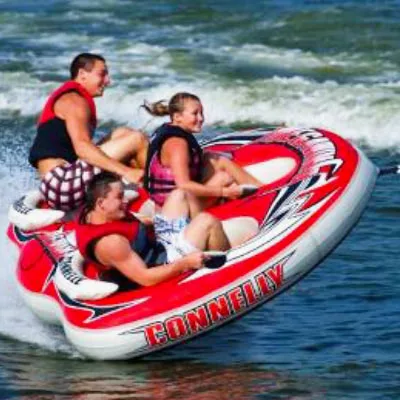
64, 187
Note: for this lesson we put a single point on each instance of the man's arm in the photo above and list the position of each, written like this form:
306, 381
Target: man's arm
114, 250
74, 110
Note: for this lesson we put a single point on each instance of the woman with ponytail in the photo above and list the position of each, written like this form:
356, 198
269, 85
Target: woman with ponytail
175, 159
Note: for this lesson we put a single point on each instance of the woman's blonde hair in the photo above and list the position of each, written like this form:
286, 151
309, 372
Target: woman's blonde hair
175, 105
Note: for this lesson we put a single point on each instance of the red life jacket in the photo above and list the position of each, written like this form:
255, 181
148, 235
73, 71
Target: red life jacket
52, 139
141, 239
87, 235
69, 86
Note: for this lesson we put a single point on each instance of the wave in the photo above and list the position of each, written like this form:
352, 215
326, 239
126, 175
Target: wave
356, 111
341, 66
256, 84
16, 320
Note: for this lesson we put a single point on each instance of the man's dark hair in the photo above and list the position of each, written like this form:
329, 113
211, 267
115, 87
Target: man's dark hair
98, 187
85, 61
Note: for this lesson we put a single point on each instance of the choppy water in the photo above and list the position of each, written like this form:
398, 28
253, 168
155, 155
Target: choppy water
331, 64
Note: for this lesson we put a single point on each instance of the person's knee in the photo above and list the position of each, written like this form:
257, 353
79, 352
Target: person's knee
141, 138
222, 178
120, 132
221, 163
140, 147
208, 220
138, 139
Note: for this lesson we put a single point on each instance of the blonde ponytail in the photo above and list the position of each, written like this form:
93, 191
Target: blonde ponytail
175, 105
157, 109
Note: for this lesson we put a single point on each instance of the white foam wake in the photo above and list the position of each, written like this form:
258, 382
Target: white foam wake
16, 320
357, 112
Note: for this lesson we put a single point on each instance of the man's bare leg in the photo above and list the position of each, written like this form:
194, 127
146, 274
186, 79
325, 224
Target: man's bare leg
124, 144
180, 203
205, 232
